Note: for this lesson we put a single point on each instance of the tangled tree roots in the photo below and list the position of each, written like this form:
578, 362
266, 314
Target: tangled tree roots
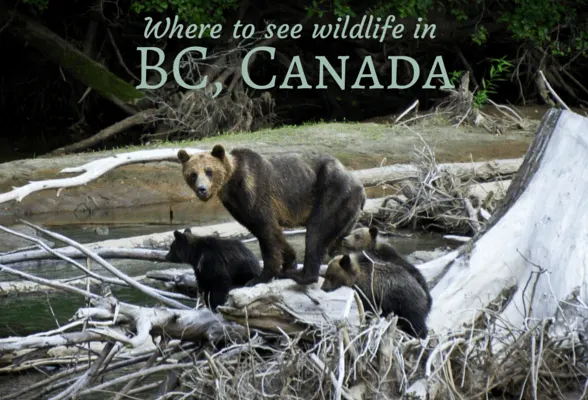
197, 114
436, 199
461, 107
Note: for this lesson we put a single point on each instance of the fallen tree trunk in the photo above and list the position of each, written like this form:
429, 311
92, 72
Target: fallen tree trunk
278, 307
71, 252
136, 119
75, 62
530, 230
481, 171
524, 279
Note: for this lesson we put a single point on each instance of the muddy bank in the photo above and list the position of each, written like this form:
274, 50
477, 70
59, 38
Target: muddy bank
357, 145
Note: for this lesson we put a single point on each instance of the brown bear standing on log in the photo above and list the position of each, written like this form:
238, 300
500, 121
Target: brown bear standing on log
266, 194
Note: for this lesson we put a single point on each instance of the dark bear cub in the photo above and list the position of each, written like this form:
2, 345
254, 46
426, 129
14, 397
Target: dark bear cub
266, 194
383, 285
370, 240
219, 264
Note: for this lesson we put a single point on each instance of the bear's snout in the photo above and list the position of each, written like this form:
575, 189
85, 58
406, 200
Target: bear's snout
202, 191
327, 286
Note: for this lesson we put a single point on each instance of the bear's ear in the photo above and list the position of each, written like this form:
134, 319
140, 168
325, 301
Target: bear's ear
345, 262
187, 230
183, 156
218, 151
373, 232
180, 237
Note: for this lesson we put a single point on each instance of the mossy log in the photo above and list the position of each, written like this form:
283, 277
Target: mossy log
76, 63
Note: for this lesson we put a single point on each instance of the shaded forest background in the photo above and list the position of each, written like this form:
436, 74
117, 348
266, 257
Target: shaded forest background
501, 44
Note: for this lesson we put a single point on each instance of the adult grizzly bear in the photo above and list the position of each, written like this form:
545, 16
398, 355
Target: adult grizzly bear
383, 285
266, 194
219, 264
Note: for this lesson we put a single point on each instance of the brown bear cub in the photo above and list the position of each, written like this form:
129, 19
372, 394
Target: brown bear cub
266, 194
383, 285
371, 241
219, 264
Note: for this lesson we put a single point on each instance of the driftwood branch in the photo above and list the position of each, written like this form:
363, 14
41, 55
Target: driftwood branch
93, 170
553, 93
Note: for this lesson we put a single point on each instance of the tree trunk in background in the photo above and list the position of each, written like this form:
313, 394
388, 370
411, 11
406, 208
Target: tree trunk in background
75, 62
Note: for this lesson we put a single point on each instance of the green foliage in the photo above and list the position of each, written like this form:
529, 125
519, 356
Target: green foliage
553, 25
540, 21
499, 67
459, 14
480, 35
402, 8
38, 4
340, 8
190, 11
455, 76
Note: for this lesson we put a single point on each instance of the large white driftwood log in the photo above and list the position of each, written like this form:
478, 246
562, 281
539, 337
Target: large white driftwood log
284, 305
188, 325
482, 170
535, 246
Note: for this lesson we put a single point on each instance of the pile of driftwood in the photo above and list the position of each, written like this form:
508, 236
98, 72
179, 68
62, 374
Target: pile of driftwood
452, 198
508, 318
274, 339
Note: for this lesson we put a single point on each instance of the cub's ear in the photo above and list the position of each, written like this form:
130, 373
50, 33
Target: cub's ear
345, 262
373, 232
187, 230
183, 156
180, 237
218, 151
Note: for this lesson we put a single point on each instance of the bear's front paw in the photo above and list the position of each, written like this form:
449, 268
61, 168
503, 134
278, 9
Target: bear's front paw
299, 277
257, 280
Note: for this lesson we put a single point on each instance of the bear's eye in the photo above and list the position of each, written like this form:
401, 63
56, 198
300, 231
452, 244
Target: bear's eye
208, 172
193, 176
357, 236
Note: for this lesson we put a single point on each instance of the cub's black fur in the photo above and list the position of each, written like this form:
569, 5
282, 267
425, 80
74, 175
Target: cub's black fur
219, 264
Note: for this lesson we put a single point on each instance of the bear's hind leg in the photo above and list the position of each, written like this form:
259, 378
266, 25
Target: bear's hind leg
331, 215
288, 256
